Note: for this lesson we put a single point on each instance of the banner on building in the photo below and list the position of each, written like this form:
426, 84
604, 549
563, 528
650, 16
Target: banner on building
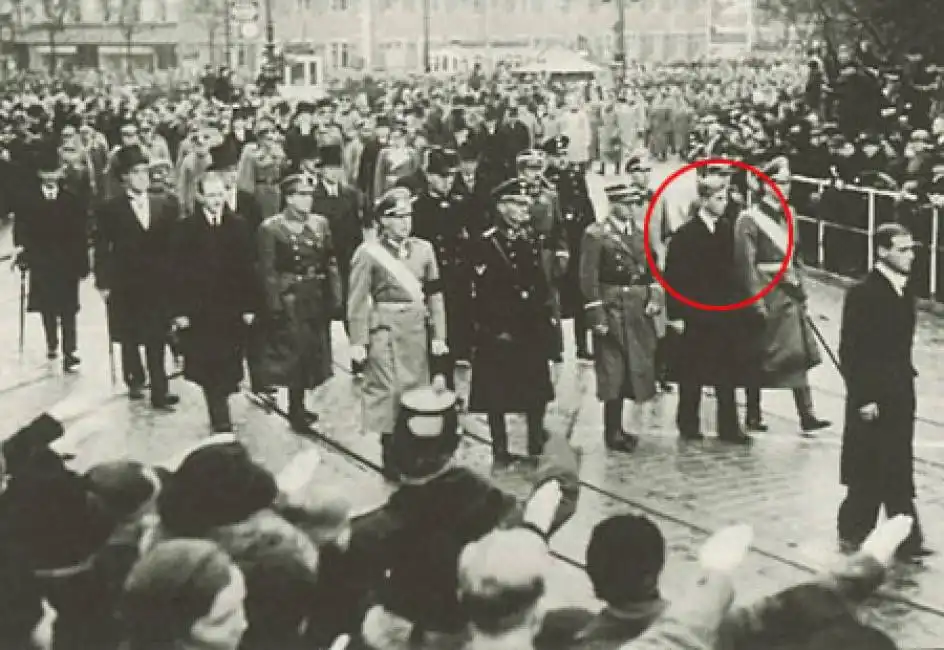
730, 27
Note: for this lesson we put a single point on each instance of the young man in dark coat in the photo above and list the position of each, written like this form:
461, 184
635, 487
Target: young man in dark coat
132, 257
50, 235
700, 266
878, 325
215, 295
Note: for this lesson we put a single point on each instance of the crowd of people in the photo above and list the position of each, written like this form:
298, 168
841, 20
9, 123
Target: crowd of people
445, 226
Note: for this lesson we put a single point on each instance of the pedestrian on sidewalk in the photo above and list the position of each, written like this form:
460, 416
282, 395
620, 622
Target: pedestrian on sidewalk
875, 348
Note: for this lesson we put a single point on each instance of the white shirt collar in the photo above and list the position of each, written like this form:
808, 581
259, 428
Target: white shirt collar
711, 222
896, 279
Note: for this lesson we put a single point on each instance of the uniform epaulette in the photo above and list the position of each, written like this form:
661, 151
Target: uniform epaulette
488, 233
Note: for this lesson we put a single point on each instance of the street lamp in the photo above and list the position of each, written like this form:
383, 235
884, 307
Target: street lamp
426, 63
270, 73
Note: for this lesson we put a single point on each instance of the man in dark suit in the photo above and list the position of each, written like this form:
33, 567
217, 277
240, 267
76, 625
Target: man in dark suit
50, 236
132, 273
344, 208
878, 325
215, 296
700, 266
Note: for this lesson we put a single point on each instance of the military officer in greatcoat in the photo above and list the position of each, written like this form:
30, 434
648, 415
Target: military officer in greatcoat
514, 323
216, 295
783, 347
299, 269
439, 219
570, 182
132, 256
622, 299
397, 317
49, 232
547, 224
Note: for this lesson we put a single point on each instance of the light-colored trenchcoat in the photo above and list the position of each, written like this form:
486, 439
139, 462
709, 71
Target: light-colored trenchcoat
615, 281
385, 317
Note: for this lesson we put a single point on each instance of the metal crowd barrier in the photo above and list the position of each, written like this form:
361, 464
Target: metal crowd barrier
838, 223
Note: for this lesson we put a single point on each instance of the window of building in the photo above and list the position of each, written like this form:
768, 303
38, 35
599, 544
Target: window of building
340, 5
74, 13
339, 55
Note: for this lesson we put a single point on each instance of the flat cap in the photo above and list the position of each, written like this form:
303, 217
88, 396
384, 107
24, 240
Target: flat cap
441, 161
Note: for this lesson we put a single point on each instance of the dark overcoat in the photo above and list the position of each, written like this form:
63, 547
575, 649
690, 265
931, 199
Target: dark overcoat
700, 266
514, 336
215, 283
302, 293
345, 214
53, 236
441, 222
875, 346
576, 214
134, 264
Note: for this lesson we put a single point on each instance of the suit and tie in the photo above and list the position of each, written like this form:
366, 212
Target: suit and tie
132, 263
343, 206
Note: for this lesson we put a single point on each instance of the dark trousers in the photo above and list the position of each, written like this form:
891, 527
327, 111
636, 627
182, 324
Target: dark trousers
802, 397
254, 349
217, 402
690, 401
580, 330
536, 435
133, 370
51, 324
859, 513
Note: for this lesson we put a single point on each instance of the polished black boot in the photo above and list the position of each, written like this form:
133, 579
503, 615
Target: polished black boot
297, 416
803, 398
614, 437
387, 459
753, 420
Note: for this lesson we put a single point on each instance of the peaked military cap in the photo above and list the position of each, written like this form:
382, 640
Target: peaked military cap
556, 146
532, 159
296, 184
397, 202
637, 164
511, 190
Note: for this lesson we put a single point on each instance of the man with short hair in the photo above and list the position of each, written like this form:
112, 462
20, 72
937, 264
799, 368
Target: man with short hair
216, 295
878, 326
700, 266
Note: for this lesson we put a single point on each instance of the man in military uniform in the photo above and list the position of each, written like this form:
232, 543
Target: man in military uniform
622, 299
783, 346
49, 232
546, 223
515, 331
438, 218
570, 181
395, 300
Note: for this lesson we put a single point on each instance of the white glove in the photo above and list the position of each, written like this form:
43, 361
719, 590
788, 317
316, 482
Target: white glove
358, 353
540, 509
439, 348
249, 318
181, 322
726, 549
885, 538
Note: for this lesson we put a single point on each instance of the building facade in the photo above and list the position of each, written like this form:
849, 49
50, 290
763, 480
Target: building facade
353, 35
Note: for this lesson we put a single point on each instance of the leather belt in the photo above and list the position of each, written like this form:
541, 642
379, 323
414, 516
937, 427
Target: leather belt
311, 273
